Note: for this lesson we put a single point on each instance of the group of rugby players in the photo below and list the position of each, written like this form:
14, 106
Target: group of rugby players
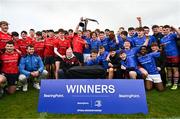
131, 54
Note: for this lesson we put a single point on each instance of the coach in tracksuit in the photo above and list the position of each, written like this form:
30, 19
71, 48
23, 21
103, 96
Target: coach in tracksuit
31, 66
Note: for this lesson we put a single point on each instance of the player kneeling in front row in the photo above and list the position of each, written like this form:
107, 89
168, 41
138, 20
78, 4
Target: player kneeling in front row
9, 61
128, 66
114, 64
147, 61
31, 66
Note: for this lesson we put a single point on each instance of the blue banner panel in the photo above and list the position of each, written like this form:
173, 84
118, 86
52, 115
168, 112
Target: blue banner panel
92, 96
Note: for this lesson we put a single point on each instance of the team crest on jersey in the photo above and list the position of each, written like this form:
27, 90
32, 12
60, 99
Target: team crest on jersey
27, 61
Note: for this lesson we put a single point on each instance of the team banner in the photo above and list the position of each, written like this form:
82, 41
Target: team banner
92, 96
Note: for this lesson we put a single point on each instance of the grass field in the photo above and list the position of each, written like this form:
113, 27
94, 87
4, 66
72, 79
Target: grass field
24, 105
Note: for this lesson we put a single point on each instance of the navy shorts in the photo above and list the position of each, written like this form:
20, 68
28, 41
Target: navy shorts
11, 78
49, 60
58, 59
79, 56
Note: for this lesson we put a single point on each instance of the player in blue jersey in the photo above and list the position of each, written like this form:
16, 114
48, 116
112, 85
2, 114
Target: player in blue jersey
107, 32
140, 39
122, 38
131, 34
146, 32
112, 42
94, 43
92, 60
98, 58
129, 66
147, 61
87, 49
153, 38
172, 55
131, 52
104, 41
160, 61
102, 55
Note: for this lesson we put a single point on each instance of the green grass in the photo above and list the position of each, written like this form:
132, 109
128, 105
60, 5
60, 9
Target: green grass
24, 105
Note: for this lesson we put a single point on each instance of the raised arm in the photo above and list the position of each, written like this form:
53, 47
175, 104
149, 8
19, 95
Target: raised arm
177, 31
139, 21
146, 41
77, 27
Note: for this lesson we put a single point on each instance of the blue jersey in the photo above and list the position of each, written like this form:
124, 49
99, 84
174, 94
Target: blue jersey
148, 62
92, 62
112, 44
121, 41
102, 59
129, 63
134, 35
140, 41
95, 44
131, 53
152, 39
170, 46
105, 43
88, 49
130, 39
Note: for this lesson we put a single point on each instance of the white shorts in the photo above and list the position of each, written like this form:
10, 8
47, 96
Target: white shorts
155, 78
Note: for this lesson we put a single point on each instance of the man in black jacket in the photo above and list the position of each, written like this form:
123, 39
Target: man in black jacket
114, 64
69, 61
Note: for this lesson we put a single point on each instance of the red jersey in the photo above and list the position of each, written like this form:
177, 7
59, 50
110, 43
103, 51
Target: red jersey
16, 45
69, 37
4, 37
39, 48
62, 46
78, 44
49, 47
23, 44
10, 62
32, 39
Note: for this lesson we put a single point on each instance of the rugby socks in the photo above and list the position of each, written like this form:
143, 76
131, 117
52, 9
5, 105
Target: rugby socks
169, 81
176, 80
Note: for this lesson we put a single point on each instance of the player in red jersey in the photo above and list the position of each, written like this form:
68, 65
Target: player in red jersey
70, 34
39, 45
60, 47
44, 34
4, 35
9, 60
78, 45
15, 39
32, 34
24, 42
49, 53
